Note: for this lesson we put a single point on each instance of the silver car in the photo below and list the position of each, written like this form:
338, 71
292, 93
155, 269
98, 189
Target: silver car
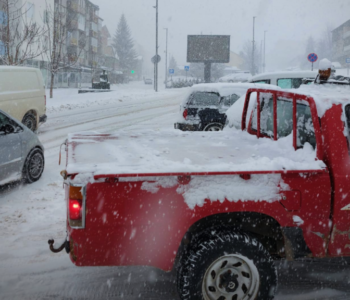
21, 153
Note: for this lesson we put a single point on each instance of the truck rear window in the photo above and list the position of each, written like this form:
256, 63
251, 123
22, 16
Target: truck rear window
204, 99
305, 126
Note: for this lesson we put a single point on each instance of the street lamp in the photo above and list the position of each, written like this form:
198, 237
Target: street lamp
166, 57
156, 62
264, 50
253, 66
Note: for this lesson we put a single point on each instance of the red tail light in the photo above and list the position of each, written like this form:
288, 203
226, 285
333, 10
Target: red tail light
74, 209
45, 99
75, 206
185, 113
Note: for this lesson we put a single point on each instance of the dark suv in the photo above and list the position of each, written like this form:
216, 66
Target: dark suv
204, 109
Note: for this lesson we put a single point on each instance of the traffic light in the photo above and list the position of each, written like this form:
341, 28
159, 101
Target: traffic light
132, 71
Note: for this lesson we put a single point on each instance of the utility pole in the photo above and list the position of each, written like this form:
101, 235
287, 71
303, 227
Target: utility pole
261, 57
156, 64
264, 50
253, 65
166, 57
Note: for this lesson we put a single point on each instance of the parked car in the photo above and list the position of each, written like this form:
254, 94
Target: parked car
243, 76
22, 95
205, 106
21, 153
285, 80
148, 81
217, 208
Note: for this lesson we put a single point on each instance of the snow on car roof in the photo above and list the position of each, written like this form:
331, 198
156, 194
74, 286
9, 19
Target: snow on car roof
172, 151
226, 89
18, 68
285, 74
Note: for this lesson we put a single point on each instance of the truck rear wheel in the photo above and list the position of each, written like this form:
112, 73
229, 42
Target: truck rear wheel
226, 266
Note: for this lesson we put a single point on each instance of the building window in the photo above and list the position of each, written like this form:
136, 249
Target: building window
46, 16
2, 48
3, 18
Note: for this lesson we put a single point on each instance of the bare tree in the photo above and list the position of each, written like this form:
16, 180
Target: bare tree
324, 44
58, 24
246, 54
21, 36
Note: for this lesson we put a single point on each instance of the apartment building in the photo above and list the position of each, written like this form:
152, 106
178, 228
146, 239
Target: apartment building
341, 43
84, 49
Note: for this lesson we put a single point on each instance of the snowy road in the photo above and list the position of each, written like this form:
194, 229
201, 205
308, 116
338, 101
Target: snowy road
31, 214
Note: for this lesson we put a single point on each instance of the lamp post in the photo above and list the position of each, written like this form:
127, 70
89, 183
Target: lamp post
156, 62
253, 66
264, 51
166, 57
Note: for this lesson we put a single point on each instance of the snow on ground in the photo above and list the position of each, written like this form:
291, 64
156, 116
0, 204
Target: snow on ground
31, 214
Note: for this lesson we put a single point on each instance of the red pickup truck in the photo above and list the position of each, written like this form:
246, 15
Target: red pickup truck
219, 207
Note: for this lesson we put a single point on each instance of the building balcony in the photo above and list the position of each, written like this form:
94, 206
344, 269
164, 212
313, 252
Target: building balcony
93, 34
75, 7
73, 25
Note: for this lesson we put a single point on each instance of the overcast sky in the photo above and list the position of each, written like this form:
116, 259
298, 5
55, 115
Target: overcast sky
288, 22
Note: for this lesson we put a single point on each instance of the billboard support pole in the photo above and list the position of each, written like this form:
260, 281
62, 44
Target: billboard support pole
207, 71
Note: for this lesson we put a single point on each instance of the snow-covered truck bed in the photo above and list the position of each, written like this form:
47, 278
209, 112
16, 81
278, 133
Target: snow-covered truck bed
217, 206
175, 152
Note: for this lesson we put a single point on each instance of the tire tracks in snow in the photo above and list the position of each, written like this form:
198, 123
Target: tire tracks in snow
107, 127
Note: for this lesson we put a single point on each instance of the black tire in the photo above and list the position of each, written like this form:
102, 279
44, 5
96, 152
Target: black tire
33, 166
211, 247
29, 120
213, 127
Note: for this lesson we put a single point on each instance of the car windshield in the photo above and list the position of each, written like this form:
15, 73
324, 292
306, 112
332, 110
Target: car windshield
127, 172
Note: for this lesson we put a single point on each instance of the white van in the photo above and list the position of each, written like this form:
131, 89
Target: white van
285, 80
22, 95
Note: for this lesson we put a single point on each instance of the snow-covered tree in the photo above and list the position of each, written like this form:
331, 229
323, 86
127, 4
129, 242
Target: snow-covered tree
324, 44
247, 54
124, 45
173, 63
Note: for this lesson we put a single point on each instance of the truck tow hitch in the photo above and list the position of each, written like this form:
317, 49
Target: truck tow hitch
65, 245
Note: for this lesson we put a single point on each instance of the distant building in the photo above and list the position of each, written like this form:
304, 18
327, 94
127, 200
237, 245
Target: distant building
341, 43
236, 60
86, 50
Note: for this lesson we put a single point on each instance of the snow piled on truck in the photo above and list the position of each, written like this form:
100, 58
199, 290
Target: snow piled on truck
171, 151
325, 95
233, 188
